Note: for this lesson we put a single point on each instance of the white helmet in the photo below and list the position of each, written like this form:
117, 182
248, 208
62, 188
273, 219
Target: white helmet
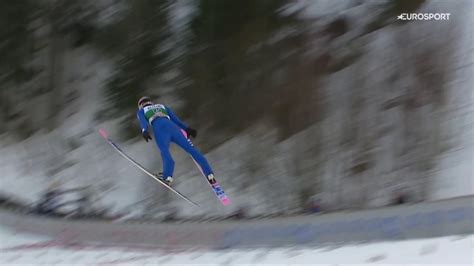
144, 101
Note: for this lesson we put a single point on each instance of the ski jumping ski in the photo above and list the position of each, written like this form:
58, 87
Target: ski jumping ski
105, 135
215, 186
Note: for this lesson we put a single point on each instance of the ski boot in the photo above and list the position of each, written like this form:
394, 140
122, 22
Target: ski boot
167, 179
211, 179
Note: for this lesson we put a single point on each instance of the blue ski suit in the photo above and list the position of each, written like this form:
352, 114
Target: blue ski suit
168, 128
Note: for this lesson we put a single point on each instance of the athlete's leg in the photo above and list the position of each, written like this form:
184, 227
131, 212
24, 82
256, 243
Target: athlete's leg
162, 139
178, 138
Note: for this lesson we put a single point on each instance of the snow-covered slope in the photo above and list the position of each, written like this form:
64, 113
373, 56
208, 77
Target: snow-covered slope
75, 154
16, 248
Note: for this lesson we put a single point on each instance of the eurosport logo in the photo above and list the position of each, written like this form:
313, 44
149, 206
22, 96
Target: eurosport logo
424, 16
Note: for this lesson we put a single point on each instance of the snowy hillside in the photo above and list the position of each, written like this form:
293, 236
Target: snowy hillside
369, 143
26, 249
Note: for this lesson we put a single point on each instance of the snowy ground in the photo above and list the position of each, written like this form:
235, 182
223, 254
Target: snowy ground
16, 248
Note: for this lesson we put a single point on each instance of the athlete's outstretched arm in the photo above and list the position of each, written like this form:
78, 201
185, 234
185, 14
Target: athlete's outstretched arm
143, 121
175, 119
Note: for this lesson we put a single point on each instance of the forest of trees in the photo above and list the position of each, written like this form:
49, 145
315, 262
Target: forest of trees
236, 64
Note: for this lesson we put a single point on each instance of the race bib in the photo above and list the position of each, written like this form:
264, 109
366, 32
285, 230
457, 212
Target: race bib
154, 111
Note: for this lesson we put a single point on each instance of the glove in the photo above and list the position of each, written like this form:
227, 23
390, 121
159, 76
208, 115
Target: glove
191, 132
146, 136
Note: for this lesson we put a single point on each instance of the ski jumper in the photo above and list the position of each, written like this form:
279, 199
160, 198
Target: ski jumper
168, 128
